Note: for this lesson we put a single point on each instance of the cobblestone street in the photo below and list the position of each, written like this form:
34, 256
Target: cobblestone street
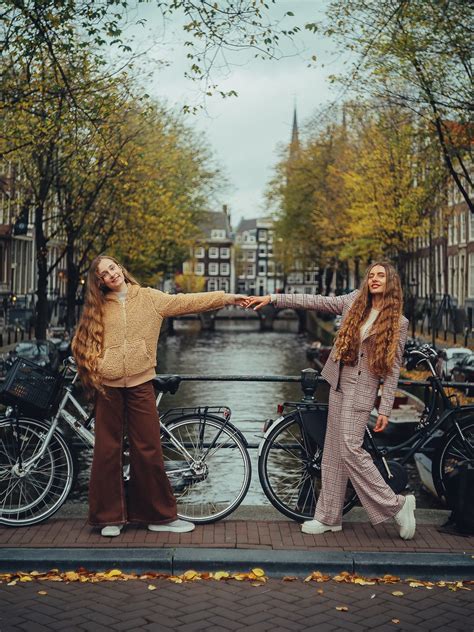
221, 606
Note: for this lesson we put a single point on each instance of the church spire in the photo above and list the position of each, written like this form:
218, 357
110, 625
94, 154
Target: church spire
295, 140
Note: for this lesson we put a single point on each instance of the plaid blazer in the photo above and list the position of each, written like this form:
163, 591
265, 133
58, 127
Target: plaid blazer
367, 383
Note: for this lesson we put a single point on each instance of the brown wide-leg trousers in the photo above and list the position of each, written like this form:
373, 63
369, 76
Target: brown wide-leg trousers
149, 495
344, 458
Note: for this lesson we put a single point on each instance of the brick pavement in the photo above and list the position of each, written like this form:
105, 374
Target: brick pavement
239, 534
226, 606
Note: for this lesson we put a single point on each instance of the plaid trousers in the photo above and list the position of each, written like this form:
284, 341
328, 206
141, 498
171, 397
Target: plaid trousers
344, 458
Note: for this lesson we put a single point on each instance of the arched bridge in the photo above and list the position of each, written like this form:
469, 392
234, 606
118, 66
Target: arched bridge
265, 317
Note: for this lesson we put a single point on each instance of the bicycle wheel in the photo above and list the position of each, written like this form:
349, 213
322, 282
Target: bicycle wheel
289, 468
451, 453
208, 465
32, 494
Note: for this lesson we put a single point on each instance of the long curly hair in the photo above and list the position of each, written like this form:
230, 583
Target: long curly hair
385, 331
87, 344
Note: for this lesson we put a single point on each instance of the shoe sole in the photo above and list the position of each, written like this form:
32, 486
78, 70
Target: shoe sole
317, 532
170, 530
411, 532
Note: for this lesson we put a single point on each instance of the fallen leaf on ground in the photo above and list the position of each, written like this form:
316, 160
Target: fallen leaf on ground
395, 620
42, 592
398, 593
289, 578
342, 608
151, 587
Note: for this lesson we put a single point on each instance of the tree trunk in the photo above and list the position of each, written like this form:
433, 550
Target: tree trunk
42, 307
72, 273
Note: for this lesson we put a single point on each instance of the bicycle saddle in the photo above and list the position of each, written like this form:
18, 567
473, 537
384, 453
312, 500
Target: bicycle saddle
167, 384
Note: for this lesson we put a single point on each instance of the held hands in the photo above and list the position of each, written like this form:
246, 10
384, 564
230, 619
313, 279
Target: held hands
257, 302
381, 424
238, 299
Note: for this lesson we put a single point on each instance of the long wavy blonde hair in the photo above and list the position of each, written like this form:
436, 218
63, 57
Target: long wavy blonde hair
385, 331
87, 344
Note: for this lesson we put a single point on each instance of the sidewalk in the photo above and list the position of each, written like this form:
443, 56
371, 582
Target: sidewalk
276, 545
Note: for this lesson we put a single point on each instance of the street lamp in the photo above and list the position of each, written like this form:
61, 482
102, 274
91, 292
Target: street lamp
413, 289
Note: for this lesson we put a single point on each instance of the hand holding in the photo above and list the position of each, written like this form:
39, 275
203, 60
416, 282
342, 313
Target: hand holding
239, 299
257, 302
381, 424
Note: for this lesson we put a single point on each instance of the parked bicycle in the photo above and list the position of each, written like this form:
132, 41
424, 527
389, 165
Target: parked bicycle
290, 454
206, 456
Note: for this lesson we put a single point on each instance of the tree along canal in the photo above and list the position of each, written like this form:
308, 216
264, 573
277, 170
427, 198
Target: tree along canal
236, 347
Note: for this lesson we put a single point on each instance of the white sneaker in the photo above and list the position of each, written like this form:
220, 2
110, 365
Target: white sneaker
177, 526
405, 518
111, 531
315, 527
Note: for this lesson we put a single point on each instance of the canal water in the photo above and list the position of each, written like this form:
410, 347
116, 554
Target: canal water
234, 348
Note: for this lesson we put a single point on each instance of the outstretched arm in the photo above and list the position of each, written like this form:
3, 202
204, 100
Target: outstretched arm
317, 302
193, 303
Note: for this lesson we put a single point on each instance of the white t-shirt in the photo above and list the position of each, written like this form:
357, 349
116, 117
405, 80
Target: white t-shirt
365, 328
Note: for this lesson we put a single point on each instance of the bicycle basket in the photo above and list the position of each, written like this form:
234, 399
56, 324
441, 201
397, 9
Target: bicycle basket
30, 387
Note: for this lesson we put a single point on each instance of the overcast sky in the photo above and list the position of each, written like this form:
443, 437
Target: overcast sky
245, 132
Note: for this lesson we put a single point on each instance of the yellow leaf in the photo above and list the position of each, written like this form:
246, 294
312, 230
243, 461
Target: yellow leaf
320, 591
398, 593
395, 620
240, 577
71, 576
26, 578
113, 573
42, 592
151, 587
363, 582
258, 572
221, 575
342, 608
416, 585
189, 575
13, 583
175, 580
289, 578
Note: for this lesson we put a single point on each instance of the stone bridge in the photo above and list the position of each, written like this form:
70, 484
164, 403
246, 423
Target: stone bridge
265, 317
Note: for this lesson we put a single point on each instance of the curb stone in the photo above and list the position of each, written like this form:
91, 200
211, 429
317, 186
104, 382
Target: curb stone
435, 566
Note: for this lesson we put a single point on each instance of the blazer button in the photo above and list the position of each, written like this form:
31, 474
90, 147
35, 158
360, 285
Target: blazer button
361, 355
359, 372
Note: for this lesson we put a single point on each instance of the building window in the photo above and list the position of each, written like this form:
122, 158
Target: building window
199, 269
217, 233
262, 235
471, 226
213, 269
212, 285
213, 253
462, 228
250, 270
224, 285
199, 252
187, 267
262, 249
251, 255
225, 253
271, 267
471, 275
225, 269
262, 267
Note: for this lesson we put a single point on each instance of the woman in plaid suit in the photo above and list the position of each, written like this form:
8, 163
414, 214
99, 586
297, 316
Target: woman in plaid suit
368, 348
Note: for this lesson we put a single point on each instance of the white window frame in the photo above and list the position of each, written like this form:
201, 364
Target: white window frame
213, 269
225, 252
199, 269
224, 269
213, 252
199, 252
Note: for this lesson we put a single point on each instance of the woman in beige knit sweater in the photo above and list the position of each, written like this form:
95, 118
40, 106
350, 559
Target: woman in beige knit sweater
115, 350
